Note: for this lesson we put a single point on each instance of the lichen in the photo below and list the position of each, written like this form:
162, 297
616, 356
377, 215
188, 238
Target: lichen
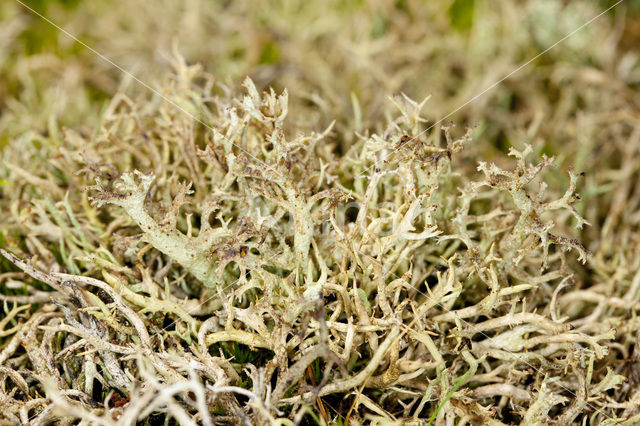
231, 253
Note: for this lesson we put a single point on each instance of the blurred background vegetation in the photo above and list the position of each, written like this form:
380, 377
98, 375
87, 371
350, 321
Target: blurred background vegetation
321, 51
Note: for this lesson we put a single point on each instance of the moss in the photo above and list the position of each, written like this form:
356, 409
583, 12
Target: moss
461, 14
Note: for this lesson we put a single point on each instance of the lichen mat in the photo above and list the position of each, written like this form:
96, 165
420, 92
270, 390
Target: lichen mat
324, 253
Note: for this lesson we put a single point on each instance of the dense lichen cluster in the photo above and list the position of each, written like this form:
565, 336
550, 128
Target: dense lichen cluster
212, 254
